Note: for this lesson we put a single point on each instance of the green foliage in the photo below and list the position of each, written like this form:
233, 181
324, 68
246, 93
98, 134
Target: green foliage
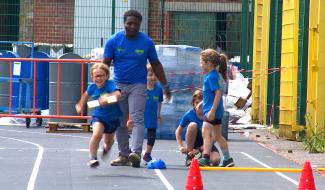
314, 140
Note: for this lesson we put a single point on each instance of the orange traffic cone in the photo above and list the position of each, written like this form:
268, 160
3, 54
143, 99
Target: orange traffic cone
306, 178
194, 180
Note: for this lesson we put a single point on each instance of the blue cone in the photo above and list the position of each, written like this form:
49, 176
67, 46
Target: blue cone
156, 164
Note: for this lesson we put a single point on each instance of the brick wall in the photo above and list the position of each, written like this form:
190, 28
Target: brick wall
53, 21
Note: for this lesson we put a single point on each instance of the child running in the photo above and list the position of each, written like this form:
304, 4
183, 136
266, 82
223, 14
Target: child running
152, 111
212, 108
192, 120
105, 117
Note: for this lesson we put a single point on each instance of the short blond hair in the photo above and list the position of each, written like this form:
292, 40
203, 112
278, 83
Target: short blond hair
102, 66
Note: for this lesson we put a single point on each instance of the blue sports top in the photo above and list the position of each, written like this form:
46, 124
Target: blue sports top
107, 112
154, 97
212, 83
190, 116
130, 57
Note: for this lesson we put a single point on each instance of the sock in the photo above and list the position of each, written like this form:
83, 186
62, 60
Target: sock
206, 156
92, 157
226, 155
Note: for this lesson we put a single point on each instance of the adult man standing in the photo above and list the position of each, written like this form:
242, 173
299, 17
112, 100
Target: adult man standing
129, 50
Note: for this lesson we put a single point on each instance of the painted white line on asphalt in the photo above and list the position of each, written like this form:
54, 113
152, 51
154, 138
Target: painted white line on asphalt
164, 180
83, 150
32, 179
42, 133
267, 166
162, 177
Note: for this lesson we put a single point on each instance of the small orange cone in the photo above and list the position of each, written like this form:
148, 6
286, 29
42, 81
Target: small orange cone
306, 178
194, 179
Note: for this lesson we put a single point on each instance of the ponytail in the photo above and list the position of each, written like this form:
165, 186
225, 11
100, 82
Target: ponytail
223, 66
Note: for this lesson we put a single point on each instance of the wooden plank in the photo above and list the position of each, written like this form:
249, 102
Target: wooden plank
61, 127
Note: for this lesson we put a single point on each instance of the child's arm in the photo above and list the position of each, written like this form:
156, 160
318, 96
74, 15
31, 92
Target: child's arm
212, 112
80, 105
109, 98
158, 112
178, 134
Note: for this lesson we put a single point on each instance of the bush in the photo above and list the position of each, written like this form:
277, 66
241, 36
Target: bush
314, 140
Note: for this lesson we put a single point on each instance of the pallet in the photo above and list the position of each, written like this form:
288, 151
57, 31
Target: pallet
61, 127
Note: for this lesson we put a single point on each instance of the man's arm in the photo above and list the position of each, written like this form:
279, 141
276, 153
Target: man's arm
160, 74
107, 61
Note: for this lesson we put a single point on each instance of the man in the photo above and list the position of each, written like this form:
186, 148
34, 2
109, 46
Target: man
130, 50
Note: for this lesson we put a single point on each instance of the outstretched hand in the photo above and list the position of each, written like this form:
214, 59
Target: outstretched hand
78, 108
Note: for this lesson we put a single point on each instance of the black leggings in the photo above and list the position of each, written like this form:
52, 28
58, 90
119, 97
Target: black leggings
151, 136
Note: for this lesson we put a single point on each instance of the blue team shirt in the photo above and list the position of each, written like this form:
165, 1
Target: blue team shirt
154, 97
130, 57
190, 116
211, 83
109, 112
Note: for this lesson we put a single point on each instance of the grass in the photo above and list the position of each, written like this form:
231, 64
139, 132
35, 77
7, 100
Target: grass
313, 139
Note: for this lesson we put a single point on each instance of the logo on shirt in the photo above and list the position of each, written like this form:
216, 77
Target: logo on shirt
119, 49
155, 98
139, 51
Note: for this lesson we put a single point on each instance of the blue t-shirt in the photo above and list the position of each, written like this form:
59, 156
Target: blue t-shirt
211, 83
130, 57
154, 97
190, 116
107, 112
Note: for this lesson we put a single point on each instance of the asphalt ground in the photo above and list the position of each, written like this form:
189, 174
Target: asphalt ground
33, 159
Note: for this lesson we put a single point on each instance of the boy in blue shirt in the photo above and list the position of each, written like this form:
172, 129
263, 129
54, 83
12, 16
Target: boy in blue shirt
192, 121
105, 117
152, 111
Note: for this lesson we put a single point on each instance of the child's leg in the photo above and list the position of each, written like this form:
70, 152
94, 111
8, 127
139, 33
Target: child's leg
98, 129
207, 139
150, 143
108, 140
221, 141
214, 156
151, 140
207, 144
190, 136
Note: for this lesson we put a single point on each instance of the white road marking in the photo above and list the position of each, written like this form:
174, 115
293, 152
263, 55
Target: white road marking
164, 180
267, 166
42, 133
32, 179
162, 177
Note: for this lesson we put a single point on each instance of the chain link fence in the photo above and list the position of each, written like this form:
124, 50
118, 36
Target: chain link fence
59, 26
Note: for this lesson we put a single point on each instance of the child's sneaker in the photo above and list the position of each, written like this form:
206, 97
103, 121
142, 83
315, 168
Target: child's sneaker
93, 163
204, 162
135, 159
228, 163
188, 160
147, 157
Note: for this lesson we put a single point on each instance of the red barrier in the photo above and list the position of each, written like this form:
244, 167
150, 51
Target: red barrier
35, 61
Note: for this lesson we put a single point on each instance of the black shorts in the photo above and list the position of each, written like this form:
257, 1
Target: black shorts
216, 121
199, 142
109, 126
